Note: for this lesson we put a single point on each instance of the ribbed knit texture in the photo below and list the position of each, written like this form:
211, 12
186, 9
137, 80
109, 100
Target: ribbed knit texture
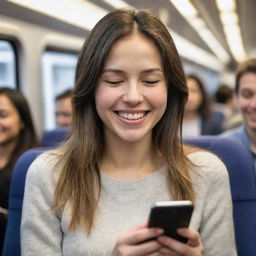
123, 205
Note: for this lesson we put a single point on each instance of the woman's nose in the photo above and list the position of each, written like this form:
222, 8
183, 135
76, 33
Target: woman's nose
133, 94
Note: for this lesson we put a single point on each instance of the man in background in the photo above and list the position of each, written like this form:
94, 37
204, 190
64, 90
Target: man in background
63, 109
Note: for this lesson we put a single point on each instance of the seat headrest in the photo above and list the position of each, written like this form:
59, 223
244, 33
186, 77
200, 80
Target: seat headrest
19, 175
54, 137
238, 160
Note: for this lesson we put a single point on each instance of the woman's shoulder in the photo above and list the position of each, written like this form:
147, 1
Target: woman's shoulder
46, 165
207, 164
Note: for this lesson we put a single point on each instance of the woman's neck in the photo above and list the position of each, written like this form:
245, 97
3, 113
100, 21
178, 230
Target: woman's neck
6, 152
130, 160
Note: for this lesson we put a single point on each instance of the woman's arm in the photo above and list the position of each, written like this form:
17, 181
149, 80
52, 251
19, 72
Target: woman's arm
40, 228
217, 228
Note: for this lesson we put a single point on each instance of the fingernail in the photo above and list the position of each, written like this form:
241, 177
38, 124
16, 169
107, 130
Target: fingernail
159, 231
180, 230
161, 239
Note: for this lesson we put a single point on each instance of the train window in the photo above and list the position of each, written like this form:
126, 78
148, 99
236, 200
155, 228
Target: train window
58, 73
7, 65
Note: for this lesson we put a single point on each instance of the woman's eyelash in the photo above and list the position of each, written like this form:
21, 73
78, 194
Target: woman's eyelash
113, 82
145, 81
151, 82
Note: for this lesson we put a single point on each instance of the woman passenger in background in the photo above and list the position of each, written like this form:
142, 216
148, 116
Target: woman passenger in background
199, 119
92, 196
17, 134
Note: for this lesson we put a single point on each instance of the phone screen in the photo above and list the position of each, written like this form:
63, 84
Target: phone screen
170, 216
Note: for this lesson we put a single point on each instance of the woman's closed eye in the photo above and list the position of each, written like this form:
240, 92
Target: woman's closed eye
114, 82
151, 82
118, 82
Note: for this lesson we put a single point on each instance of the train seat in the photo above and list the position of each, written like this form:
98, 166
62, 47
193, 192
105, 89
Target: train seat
242, 179
239, 163
54, 137
12, 235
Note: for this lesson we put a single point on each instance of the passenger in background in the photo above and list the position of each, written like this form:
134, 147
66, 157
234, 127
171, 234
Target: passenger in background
63, 109
224, 100
92, 196
225, 103
17, 134
198, 118
245, 90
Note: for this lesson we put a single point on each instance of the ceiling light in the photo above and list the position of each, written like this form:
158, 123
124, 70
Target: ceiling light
228, 18
196, 54
207, 35
189, 12
185, 7
234, 40
86, 15
76, 12
118, 4
226, 5
197, 23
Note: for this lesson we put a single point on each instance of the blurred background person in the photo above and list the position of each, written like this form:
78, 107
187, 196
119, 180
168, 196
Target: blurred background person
224, 100
199, 119
17, 134
63, 109
245, 89
225, 103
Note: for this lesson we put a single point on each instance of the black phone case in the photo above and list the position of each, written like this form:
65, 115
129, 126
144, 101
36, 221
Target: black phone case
170, 218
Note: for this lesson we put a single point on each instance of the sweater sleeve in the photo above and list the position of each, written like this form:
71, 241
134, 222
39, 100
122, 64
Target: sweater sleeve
217, 229
40, 227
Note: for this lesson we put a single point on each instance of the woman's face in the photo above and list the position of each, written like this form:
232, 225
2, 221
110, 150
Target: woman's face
10, 123
194, 96
246, 97
131, 95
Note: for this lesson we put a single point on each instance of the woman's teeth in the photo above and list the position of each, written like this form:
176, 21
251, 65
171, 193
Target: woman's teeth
131, 116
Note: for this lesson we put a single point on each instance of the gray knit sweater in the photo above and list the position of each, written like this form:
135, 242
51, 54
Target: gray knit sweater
122, 206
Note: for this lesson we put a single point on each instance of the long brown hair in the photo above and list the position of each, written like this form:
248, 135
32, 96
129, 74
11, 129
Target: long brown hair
79, 182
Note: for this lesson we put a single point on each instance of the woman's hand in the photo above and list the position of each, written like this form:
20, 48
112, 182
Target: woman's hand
173, 247
132, 242
3, 211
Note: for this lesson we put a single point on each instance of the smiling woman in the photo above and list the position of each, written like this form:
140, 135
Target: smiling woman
134, 81
92, 196
17, 135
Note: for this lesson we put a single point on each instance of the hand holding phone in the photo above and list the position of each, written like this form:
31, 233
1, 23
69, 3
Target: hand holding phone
170, 216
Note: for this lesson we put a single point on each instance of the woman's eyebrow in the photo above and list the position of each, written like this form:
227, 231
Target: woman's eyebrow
150, 70
112, 70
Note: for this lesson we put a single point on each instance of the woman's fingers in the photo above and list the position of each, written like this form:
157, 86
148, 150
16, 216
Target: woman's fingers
192, 236
147, 248
142, 225
167, 252
139, 241
3, 211
140, 235
174, 247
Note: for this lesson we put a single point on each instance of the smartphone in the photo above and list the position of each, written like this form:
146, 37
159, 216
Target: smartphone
171, 215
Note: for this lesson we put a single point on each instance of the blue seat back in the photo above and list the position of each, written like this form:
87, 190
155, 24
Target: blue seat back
240, 166
12, 235
54, 137
232, 152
